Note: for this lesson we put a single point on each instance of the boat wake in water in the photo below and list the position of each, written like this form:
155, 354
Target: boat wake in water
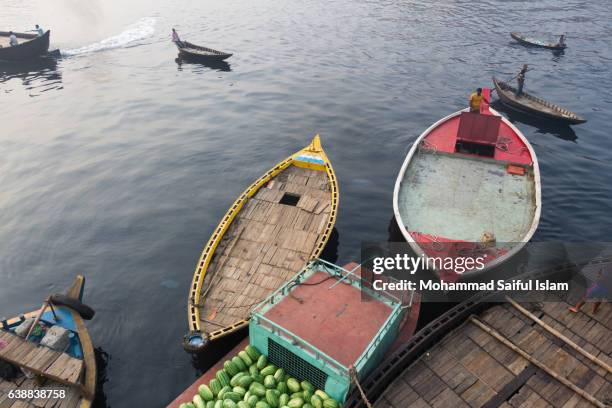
140, 30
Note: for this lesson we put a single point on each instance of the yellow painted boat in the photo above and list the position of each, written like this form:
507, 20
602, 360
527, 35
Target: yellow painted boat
278, 224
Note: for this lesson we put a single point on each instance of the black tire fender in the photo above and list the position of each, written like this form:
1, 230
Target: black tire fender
82, 309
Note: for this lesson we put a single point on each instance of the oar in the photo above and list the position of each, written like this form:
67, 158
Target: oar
47, 303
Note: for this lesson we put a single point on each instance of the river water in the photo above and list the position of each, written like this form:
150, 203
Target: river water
117, 162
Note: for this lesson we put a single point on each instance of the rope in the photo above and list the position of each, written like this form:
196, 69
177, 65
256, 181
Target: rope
353, 375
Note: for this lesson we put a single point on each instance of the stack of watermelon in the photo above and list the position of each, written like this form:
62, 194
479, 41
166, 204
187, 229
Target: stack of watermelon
248, 381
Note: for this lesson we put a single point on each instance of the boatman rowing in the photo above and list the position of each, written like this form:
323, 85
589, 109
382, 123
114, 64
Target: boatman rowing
176, 39
520, 78
13, 39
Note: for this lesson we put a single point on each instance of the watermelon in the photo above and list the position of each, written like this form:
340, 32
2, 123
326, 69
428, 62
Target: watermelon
252, 400
279, 375
296, 403
293, 385
283, 400
230, 368
257, 389
237, 361
205, 392
262, 404
307, 406
198, 402
258, 378
234, 381
243, 404
306, 386
210, 404
299, 394
221, 395
272, 398
215, 386
322, 394
252, 352
330, 403
316, 401
307, 395
269, 382
262, 361
245, 381
253, 369
234, 396
270, 369
239, 390
282, 387
246, 359
223, 378
228, 403
218, 404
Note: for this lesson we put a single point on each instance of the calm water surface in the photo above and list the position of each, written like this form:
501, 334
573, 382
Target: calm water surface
117, 162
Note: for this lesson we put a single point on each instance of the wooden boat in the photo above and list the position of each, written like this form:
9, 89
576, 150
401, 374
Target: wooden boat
65, 377
521, 353
533, 105
196, 52
276, 226
329, 327
523, 39
469, 184
30, 46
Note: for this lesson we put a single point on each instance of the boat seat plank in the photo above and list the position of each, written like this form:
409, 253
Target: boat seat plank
48, 363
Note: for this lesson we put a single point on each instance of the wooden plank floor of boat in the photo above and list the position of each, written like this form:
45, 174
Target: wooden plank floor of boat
471, 368
267, 243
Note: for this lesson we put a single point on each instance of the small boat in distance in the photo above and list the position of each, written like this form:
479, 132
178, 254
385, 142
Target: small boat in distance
469, 185
48, 354
531, 104
523, 39
30, 46
276, 226
196, 52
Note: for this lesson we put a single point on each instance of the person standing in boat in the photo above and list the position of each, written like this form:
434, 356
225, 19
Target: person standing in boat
176, 39
475, 100
561, 42
13, 39
520, 78
39, 30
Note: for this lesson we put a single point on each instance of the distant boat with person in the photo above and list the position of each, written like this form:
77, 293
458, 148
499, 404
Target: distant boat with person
23, 46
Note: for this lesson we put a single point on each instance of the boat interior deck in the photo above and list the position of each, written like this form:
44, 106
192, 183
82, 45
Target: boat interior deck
269, 241
55, 371
339, 321
472, 368
462, 197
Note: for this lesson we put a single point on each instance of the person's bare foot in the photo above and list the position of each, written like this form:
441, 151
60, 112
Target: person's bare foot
573, 309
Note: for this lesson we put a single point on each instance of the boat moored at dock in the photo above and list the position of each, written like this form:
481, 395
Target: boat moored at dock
323, 330
47, 356
469, 184
277, 225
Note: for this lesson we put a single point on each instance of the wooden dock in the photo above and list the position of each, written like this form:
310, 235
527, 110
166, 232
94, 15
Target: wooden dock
514, 355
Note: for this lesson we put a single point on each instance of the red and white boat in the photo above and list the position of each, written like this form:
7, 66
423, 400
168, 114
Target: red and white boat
469, 187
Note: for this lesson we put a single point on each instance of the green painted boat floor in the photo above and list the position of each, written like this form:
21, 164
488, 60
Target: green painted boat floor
462, 197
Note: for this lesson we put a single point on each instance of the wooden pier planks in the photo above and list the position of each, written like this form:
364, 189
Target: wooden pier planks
469, 367
267, 243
